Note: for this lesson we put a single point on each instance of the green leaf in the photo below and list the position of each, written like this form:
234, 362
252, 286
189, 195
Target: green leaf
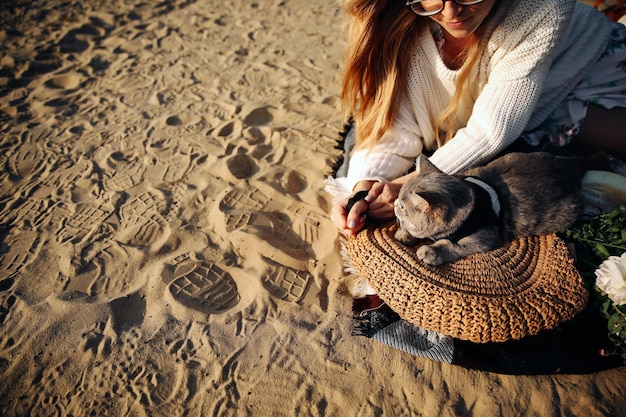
596, 239
600, 248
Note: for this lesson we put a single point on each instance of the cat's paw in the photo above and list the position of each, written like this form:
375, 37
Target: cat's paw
436, 254
430, 255
404, 237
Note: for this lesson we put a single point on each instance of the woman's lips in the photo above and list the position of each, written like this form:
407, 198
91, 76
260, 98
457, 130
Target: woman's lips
456, 24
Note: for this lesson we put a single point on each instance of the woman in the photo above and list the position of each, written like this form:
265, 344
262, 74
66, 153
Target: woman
462, 80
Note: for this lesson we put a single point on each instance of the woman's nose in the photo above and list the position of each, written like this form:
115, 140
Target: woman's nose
450, 9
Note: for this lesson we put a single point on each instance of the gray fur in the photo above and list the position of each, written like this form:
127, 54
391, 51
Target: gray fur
539, 193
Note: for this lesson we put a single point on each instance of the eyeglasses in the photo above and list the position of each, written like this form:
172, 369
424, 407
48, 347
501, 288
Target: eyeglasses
431, 7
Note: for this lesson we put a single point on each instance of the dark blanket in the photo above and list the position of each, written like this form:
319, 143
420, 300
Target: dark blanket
572, 348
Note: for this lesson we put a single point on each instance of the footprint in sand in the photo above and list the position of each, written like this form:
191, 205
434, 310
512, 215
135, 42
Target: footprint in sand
127, 312
287, 233
286, 181
178, 199
219, 113
186, 348
183, 124
80, 39
68, 81
182, 349
141, 222
180, 120
239, 206
98, 340
149, 231
28, 161
243, 200
284, 282
75, 175
260, 116
17, 251
104, 268
7, 300
123, 171
256, 135
275, 229
77, 222
305, 222
241, 166
230, 129
169, 163
39, 66
235, 221
128, 372
201, 285
29, 214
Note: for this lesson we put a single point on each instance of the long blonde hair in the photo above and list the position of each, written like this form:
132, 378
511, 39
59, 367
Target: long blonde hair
381, 42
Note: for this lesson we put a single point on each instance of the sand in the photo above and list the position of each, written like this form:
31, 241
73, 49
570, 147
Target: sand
165, 245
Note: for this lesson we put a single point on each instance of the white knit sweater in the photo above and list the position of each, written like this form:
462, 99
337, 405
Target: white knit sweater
538, 51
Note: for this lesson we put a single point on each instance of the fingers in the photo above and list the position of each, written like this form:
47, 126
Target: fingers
360, 195
381, 198
381, 211
349, 223
376, 190
355, 219
349, 216
338, 216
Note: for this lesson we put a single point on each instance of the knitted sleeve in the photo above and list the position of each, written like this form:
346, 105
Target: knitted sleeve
519, 55
390, 158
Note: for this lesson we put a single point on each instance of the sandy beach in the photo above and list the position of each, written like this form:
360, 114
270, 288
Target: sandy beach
165, 247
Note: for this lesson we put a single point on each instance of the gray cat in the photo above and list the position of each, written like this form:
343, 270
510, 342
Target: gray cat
519, 194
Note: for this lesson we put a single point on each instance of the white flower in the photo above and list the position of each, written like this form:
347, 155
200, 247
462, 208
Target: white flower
611, 278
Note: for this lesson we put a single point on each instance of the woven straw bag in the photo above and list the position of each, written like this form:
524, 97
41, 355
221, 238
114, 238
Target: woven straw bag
518, 290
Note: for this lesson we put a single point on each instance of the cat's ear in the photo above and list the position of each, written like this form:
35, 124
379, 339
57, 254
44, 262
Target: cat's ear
421, 204
424, 166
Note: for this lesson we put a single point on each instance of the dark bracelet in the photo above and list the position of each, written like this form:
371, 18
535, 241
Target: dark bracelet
359, 195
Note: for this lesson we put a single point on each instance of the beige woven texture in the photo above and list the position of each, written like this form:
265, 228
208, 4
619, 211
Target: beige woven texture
515, 291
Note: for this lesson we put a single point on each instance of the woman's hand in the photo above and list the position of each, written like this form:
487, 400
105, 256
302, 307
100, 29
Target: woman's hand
350, 223
381, 208
376, 205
